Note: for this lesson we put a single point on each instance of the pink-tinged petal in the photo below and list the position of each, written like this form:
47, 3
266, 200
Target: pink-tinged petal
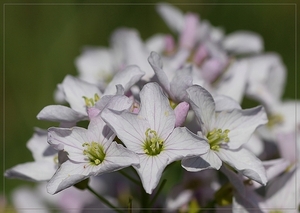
170, 44
58, 113
241, 123
157, 65
172, 16
233, 82
188, 34
244, 162
181, 111
158, 111
183, 143
226, 103
203, 105
212, 68
200, 55
127, 78
129, 127
287, 146
243, 42
150, 170
32, 171
92, 112
68, 174
208, 160
75, 89
181, 81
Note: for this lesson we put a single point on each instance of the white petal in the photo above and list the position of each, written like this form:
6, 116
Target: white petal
67, 175
127, 77
181, 81
206, 161
183, 143
204, 106
75, 89
33, 171
172, 16
156, 43
129, 127
95, 65
58, 113
150, 170
157, 111
245, 162
118, 157
69, 140
242, 42
233, 82
226, 103
157, 65
241, 123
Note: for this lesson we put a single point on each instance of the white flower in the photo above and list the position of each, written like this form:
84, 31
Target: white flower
225, 132
151, 134
90, 151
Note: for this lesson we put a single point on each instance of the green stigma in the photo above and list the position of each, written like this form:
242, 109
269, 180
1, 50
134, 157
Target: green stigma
153, 144
90, 102
217, 136
172, 104
94, 151
274, 120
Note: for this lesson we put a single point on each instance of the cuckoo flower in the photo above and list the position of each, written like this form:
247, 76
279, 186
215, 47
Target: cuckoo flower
225, 132
151, 134
82, 96
90, 152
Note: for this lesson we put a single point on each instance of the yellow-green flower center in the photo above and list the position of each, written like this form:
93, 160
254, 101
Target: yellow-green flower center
216, 137
274, 119
95, 152
153, 144
90, 102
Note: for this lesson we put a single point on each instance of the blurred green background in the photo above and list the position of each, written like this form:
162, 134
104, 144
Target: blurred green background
42, 41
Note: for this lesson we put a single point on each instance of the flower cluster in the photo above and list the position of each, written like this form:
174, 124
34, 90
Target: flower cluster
152, 105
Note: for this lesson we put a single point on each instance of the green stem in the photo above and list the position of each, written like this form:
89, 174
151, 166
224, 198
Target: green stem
145, 199
129, 177
130, 205
104, 200
157, 193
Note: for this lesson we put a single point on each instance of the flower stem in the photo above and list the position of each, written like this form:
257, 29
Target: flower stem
157, 193
105, 201
129, 177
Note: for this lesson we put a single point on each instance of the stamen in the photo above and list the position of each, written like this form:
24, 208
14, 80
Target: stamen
153, 145
216, 137
94, 151
90, 102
